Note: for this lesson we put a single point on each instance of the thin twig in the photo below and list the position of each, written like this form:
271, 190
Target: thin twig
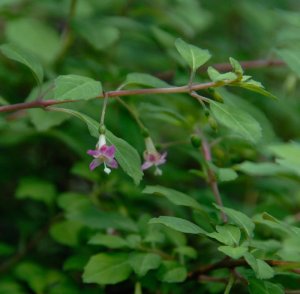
212, 181
169, 90
232, 263
248, 64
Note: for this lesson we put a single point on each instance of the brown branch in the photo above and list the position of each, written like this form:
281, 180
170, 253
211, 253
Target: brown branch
212, 181
223, 67
32, 104
170, 90
232, 263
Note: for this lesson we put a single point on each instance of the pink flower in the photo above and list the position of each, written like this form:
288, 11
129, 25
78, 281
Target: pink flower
103, 154
153, 157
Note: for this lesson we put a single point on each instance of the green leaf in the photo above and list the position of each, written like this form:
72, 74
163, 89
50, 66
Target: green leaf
34, 36
289, 156
126, 155
66, 232
233, 252
226, 174
2, 100
178, 224
276, 225
186, 251
110, 241
36, 189
237, 68
239, 218
215, 76
172, 272
261, 168
261, 268
18, 54
145, 80
107, 269
194, 56
227, 234
176, 197
141, 263
98, 35
6, 249
74, 87
291, 58
264, 287
254, 86
238, 121
85, 213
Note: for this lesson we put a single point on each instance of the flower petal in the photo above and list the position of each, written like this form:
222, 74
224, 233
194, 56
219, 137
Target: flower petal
110, 151
112, 163
162, 159
96, 162
94, 153
146, 165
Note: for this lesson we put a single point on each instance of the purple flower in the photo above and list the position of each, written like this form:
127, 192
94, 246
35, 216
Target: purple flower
103, 154
153, 157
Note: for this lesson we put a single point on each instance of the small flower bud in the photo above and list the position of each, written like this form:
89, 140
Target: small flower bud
102, 129
213, 123
196, 141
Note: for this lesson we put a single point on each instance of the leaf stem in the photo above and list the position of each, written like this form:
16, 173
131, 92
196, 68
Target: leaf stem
229, 284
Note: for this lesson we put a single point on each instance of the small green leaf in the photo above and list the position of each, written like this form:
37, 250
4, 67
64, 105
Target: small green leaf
141, 263
176, 197
228, 234
289, 156
74, 87
264, 287
36, 189
186, 251
173, 273
239, 218
126, 155
237, 68
261, 268
110, 241
97, 35
145, 80
2, 100
21, 55
215, 76
178, 224
226, 174
107, 269
238, 121
261, 168
233, 252
291, 58
194, 56
66, 232
254, 86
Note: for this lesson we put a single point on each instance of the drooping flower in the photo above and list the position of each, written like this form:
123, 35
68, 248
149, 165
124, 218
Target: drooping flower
103, 154
153, 157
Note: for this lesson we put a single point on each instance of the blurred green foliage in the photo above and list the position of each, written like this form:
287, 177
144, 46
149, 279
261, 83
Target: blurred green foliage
65, 229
